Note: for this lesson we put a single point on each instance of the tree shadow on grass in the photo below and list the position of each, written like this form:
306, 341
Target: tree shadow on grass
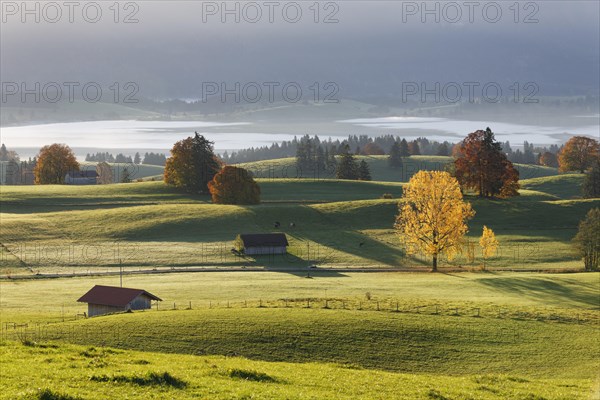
324, 239
291, 264
550, 292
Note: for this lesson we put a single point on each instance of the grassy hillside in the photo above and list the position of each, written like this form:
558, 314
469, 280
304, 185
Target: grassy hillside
380, 170
136, 171
402, 342
72, 111
495, 293
338, 335
517, 345
566, 186
325, 190
89, 373
64, 228
32, 199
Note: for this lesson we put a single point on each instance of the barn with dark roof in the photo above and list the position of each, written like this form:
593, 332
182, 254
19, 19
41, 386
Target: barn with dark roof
85, 177
262, 243
112, 299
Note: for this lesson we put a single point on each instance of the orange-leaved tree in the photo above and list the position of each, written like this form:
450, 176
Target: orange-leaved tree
578, 154
548, 159
233, 185
433, 215
53, 164
481, 165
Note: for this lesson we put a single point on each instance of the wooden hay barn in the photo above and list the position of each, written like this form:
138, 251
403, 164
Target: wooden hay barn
111, 299
262, 243
86, 177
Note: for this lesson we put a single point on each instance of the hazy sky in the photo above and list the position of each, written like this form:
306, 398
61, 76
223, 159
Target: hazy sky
372, 48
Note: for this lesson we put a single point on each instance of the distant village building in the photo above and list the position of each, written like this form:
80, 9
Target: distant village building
262, 243
112, 299
85, 177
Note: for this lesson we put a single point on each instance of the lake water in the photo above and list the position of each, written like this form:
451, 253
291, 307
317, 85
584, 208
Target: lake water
456, 130
131, 136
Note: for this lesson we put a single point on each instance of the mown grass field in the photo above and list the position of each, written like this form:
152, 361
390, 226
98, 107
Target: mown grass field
564, 294
525, 343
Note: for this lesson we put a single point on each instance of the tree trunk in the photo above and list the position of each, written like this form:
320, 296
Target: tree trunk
434, 269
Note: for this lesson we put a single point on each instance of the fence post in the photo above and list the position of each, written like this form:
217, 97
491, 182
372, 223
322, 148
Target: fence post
190, 305
377, 305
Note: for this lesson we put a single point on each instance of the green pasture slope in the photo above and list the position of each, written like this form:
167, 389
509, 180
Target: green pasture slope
70, 372
507, 335
380, 169
274, 333
504, 294
136, 171
337, 224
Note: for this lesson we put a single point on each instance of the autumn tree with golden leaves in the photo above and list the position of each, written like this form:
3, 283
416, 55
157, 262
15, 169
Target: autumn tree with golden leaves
53, 164
488, 243
433, 215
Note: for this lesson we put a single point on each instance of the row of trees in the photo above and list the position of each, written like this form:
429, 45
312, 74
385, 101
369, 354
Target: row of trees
360, 145
149, 158
108, 157
365, 145
349, 168
194, 167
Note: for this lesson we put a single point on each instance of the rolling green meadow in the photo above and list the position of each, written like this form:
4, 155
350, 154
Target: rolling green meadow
369, 322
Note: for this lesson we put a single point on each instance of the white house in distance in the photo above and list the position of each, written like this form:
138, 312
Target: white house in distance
112, 299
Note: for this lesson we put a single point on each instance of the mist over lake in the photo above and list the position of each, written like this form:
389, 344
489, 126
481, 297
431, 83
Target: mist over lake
132, 135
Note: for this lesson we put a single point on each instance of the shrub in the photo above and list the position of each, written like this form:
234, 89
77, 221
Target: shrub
250, 375
387, 196
435, 395
47, 394
150, 379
